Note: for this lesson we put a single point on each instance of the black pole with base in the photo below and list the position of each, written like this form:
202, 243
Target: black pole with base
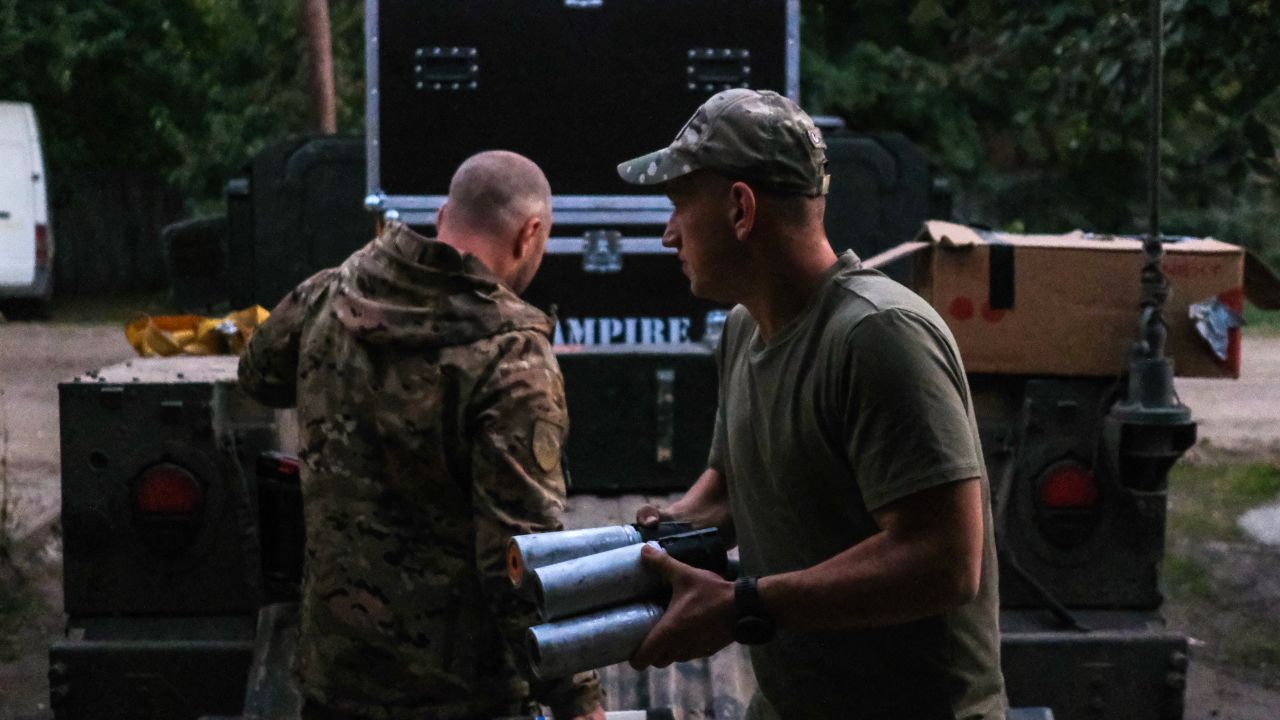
1149, 428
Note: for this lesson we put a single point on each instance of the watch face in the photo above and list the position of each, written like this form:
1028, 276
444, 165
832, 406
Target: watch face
752, 630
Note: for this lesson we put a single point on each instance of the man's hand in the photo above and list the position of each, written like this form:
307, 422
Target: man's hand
705, 504
597, 714
651, 515
698, 618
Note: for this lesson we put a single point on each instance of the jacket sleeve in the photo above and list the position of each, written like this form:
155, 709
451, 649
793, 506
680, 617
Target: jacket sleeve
269, 365
521, 423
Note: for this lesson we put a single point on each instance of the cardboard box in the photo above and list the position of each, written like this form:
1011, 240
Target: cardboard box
1068, 304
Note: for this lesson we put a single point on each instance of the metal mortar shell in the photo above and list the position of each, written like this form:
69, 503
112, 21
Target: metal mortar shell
526, 553
594, 640
596, 581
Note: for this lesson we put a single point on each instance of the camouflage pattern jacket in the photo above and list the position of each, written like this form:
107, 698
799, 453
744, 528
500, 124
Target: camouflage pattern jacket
431, 413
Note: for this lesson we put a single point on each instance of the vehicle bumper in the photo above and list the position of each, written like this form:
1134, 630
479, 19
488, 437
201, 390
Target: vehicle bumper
40, 288
1126, 666
165, 668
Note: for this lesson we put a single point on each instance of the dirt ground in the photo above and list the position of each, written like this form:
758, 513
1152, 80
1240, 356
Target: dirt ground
1242, 417
1239, 420
34, 357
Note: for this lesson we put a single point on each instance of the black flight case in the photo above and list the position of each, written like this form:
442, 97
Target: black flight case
579, 86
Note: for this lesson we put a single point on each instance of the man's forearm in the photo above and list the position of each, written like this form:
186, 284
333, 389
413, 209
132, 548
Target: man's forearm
706, 503
926, 561
878, 582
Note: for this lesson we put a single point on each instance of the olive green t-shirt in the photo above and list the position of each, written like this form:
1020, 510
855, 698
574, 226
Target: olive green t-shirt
857, 402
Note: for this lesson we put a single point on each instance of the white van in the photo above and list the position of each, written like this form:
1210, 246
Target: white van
26, 241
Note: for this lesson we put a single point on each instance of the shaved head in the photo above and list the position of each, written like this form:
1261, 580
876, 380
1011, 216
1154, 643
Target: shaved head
499, 210
494, 192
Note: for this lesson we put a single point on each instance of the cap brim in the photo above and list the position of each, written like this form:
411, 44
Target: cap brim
655, 168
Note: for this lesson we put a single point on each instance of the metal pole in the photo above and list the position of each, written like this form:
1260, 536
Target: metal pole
1150, 398
1155, 287
1156, 108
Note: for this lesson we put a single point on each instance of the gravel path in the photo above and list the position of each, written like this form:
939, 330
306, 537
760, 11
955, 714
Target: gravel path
1240, 415
34, 358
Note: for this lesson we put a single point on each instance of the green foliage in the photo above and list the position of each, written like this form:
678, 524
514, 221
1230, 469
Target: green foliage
188, 89
1036, 110
1042, 107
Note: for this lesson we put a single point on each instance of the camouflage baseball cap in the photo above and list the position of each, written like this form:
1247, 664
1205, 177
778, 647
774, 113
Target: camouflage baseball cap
755, 135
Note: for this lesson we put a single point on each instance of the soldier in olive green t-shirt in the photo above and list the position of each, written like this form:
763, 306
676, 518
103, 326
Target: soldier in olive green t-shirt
859, 401
845, 459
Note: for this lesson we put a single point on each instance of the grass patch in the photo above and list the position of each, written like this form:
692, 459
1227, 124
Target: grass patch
1256, 484
1265, 323
1187, 578
1210, 561
1252, 649
1206, 500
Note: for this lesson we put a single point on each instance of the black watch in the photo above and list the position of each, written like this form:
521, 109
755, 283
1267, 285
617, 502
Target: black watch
751, 624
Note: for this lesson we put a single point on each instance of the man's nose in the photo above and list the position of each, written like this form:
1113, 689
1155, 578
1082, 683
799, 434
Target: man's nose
670, 238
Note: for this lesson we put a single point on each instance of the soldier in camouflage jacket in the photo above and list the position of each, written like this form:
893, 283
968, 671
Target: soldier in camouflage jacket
431, 413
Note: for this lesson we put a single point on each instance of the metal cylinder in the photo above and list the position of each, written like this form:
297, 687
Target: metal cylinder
529, 552
562, 648
593, 582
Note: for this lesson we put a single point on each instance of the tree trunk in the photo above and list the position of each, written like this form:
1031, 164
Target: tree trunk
315, 26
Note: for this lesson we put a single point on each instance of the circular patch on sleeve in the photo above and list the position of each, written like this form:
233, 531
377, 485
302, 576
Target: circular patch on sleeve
546, 444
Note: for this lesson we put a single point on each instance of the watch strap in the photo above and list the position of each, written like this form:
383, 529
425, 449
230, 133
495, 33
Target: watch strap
752, 625
746, 598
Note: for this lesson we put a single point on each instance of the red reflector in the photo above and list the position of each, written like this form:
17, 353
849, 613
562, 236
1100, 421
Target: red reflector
1234, 300
167, 489
42, 245
1069, 486
287, 466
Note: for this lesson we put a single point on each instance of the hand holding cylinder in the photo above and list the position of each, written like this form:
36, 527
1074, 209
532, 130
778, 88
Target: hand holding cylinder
600, 606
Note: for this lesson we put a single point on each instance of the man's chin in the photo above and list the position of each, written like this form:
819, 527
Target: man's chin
702, 292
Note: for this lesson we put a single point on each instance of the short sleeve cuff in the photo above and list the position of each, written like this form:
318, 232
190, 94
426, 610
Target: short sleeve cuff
937, 477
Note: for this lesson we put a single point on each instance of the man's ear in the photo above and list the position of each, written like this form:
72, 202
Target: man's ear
742, 209
526, 236
440, 216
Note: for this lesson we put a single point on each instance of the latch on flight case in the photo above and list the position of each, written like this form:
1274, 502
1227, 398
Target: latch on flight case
714, 69
446, 69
